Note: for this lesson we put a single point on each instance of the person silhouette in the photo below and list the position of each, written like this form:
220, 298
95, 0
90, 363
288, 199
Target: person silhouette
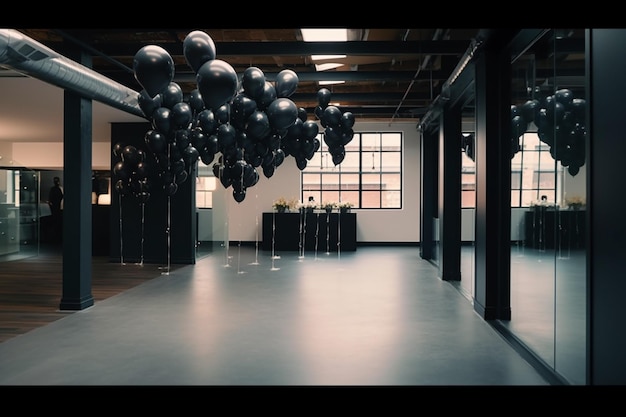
55, 198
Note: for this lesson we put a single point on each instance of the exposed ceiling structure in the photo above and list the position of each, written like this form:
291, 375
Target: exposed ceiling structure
389, 74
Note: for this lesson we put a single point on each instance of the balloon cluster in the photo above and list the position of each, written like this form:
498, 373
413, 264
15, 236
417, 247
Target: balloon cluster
250, 122
131, 172
560, 121
338, 126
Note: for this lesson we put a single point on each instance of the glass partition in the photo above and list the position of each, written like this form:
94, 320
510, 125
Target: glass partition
548, 191
19, 213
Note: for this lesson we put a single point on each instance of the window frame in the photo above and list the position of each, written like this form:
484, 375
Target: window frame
324, 191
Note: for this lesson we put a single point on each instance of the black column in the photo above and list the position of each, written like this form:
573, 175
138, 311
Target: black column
161, 228
606, 238
428, 193
493, 186
450, 195
77, 168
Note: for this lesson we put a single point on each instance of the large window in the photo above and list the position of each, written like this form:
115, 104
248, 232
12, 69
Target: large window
369, 177
534, 174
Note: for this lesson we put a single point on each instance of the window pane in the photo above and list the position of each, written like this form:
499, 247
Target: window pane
330, 181
391, 161
370, 142
516, 180
391, 181
546, 161
328, 196
468, 198
392, 142
370, 161
350, 162
371, 181
515, 198
529, 197
371, 199
546, 180
391, 199
350, 196
367, 157
350, 181
310, 181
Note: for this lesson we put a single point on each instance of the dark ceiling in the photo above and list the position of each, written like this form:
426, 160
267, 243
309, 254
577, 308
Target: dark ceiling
390, 74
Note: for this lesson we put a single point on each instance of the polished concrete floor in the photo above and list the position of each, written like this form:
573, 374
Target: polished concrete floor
379, 316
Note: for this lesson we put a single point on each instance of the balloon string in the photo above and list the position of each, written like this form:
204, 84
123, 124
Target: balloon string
143, 217
121, 235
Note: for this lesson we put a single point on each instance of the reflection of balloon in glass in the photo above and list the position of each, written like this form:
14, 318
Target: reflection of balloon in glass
154, 69
120, 171
130, 155
155, 141
217, 82
198, 48
117, 149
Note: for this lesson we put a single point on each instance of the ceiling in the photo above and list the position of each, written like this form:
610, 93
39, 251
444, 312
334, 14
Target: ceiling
389, 74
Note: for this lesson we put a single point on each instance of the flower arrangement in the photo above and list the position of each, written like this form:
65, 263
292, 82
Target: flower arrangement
344, 206
575, 202
307, 207
328, 206
282, 204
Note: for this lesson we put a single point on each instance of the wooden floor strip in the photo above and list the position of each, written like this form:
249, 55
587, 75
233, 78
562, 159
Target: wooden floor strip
31, 288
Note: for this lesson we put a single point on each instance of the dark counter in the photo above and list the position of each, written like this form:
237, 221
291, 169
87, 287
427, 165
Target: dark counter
324, 232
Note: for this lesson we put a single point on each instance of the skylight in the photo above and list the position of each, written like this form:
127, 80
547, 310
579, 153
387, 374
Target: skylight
325, 35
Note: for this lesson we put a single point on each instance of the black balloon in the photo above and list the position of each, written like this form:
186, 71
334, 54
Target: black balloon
253, 82
172, 95
217, 82
161, 120
148, 104
323, 97
181, 115
195, 101
198, 48
154, 69
282, 113
286, 83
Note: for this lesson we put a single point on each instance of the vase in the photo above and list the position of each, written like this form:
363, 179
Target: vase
328, 209
281, 209
344, 210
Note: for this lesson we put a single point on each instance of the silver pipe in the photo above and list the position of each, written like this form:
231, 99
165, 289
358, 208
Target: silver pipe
27, 56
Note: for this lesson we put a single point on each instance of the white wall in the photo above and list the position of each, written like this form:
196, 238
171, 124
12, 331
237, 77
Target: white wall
243, 221
45, 155
402, 226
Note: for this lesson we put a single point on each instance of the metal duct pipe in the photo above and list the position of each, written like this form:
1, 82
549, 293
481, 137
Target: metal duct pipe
26, 55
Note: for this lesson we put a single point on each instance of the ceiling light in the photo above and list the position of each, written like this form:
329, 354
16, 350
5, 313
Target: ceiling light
324, 35
326, 57
327, 66
330, 82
